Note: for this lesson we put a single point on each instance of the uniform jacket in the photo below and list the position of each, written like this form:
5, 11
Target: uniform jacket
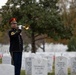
16, 42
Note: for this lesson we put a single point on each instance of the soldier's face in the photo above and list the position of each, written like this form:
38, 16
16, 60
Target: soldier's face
13, 25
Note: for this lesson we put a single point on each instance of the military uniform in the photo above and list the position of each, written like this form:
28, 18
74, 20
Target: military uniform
16, 42
16, 48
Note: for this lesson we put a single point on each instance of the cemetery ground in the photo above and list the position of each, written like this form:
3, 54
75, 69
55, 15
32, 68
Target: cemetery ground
23, 72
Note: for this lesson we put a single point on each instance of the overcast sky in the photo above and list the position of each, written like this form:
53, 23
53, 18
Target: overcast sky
2, 2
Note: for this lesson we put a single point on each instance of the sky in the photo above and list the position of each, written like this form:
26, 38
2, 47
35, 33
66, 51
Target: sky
2, 2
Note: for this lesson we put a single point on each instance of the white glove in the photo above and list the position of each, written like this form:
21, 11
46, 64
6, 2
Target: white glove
20, 26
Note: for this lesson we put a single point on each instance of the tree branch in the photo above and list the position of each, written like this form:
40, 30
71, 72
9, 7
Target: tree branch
36, 35
40, 38
39, 46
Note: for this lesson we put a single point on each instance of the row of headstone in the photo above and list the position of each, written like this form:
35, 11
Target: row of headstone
61, 64
65, 61
42, 63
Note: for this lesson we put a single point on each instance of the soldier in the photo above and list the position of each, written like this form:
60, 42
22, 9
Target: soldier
16, 45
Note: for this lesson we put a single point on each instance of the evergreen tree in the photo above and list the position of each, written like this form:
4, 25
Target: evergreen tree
41, 16
72, 45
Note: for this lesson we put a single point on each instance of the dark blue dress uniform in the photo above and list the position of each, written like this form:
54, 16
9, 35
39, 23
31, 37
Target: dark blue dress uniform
16, 48
16, 42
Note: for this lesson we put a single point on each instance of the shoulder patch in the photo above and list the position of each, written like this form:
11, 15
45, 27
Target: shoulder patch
12, 33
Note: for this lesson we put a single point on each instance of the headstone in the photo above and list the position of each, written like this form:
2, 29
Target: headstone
61, 65
35, 65
6, 69
70, 60
25, 54
73, 66
49, 58
23, 63
28, 66
6, 59
39, 66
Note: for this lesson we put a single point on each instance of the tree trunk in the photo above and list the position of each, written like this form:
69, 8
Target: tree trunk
33, 50
43, 46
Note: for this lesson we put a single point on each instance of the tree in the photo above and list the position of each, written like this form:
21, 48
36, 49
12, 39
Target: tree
42, 17
72, 20
72, 45
68, 8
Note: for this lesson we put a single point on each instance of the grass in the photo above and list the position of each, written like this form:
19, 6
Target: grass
53, 73
22, 72
0, 61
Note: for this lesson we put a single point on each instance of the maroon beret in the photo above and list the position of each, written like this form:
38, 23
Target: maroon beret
12, 20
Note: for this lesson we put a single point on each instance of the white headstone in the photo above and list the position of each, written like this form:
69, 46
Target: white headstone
73, 65
49, 58
70, 60
39, 66
42, 54
23, 63
6, 69
61, 65
28, 65
23, 60
6, 59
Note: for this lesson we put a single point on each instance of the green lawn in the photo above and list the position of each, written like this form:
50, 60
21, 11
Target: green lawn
0, 61
23, 73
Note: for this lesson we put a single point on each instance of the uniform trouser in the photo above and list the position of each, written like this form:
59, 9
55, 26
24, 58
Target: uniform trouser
16, 61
